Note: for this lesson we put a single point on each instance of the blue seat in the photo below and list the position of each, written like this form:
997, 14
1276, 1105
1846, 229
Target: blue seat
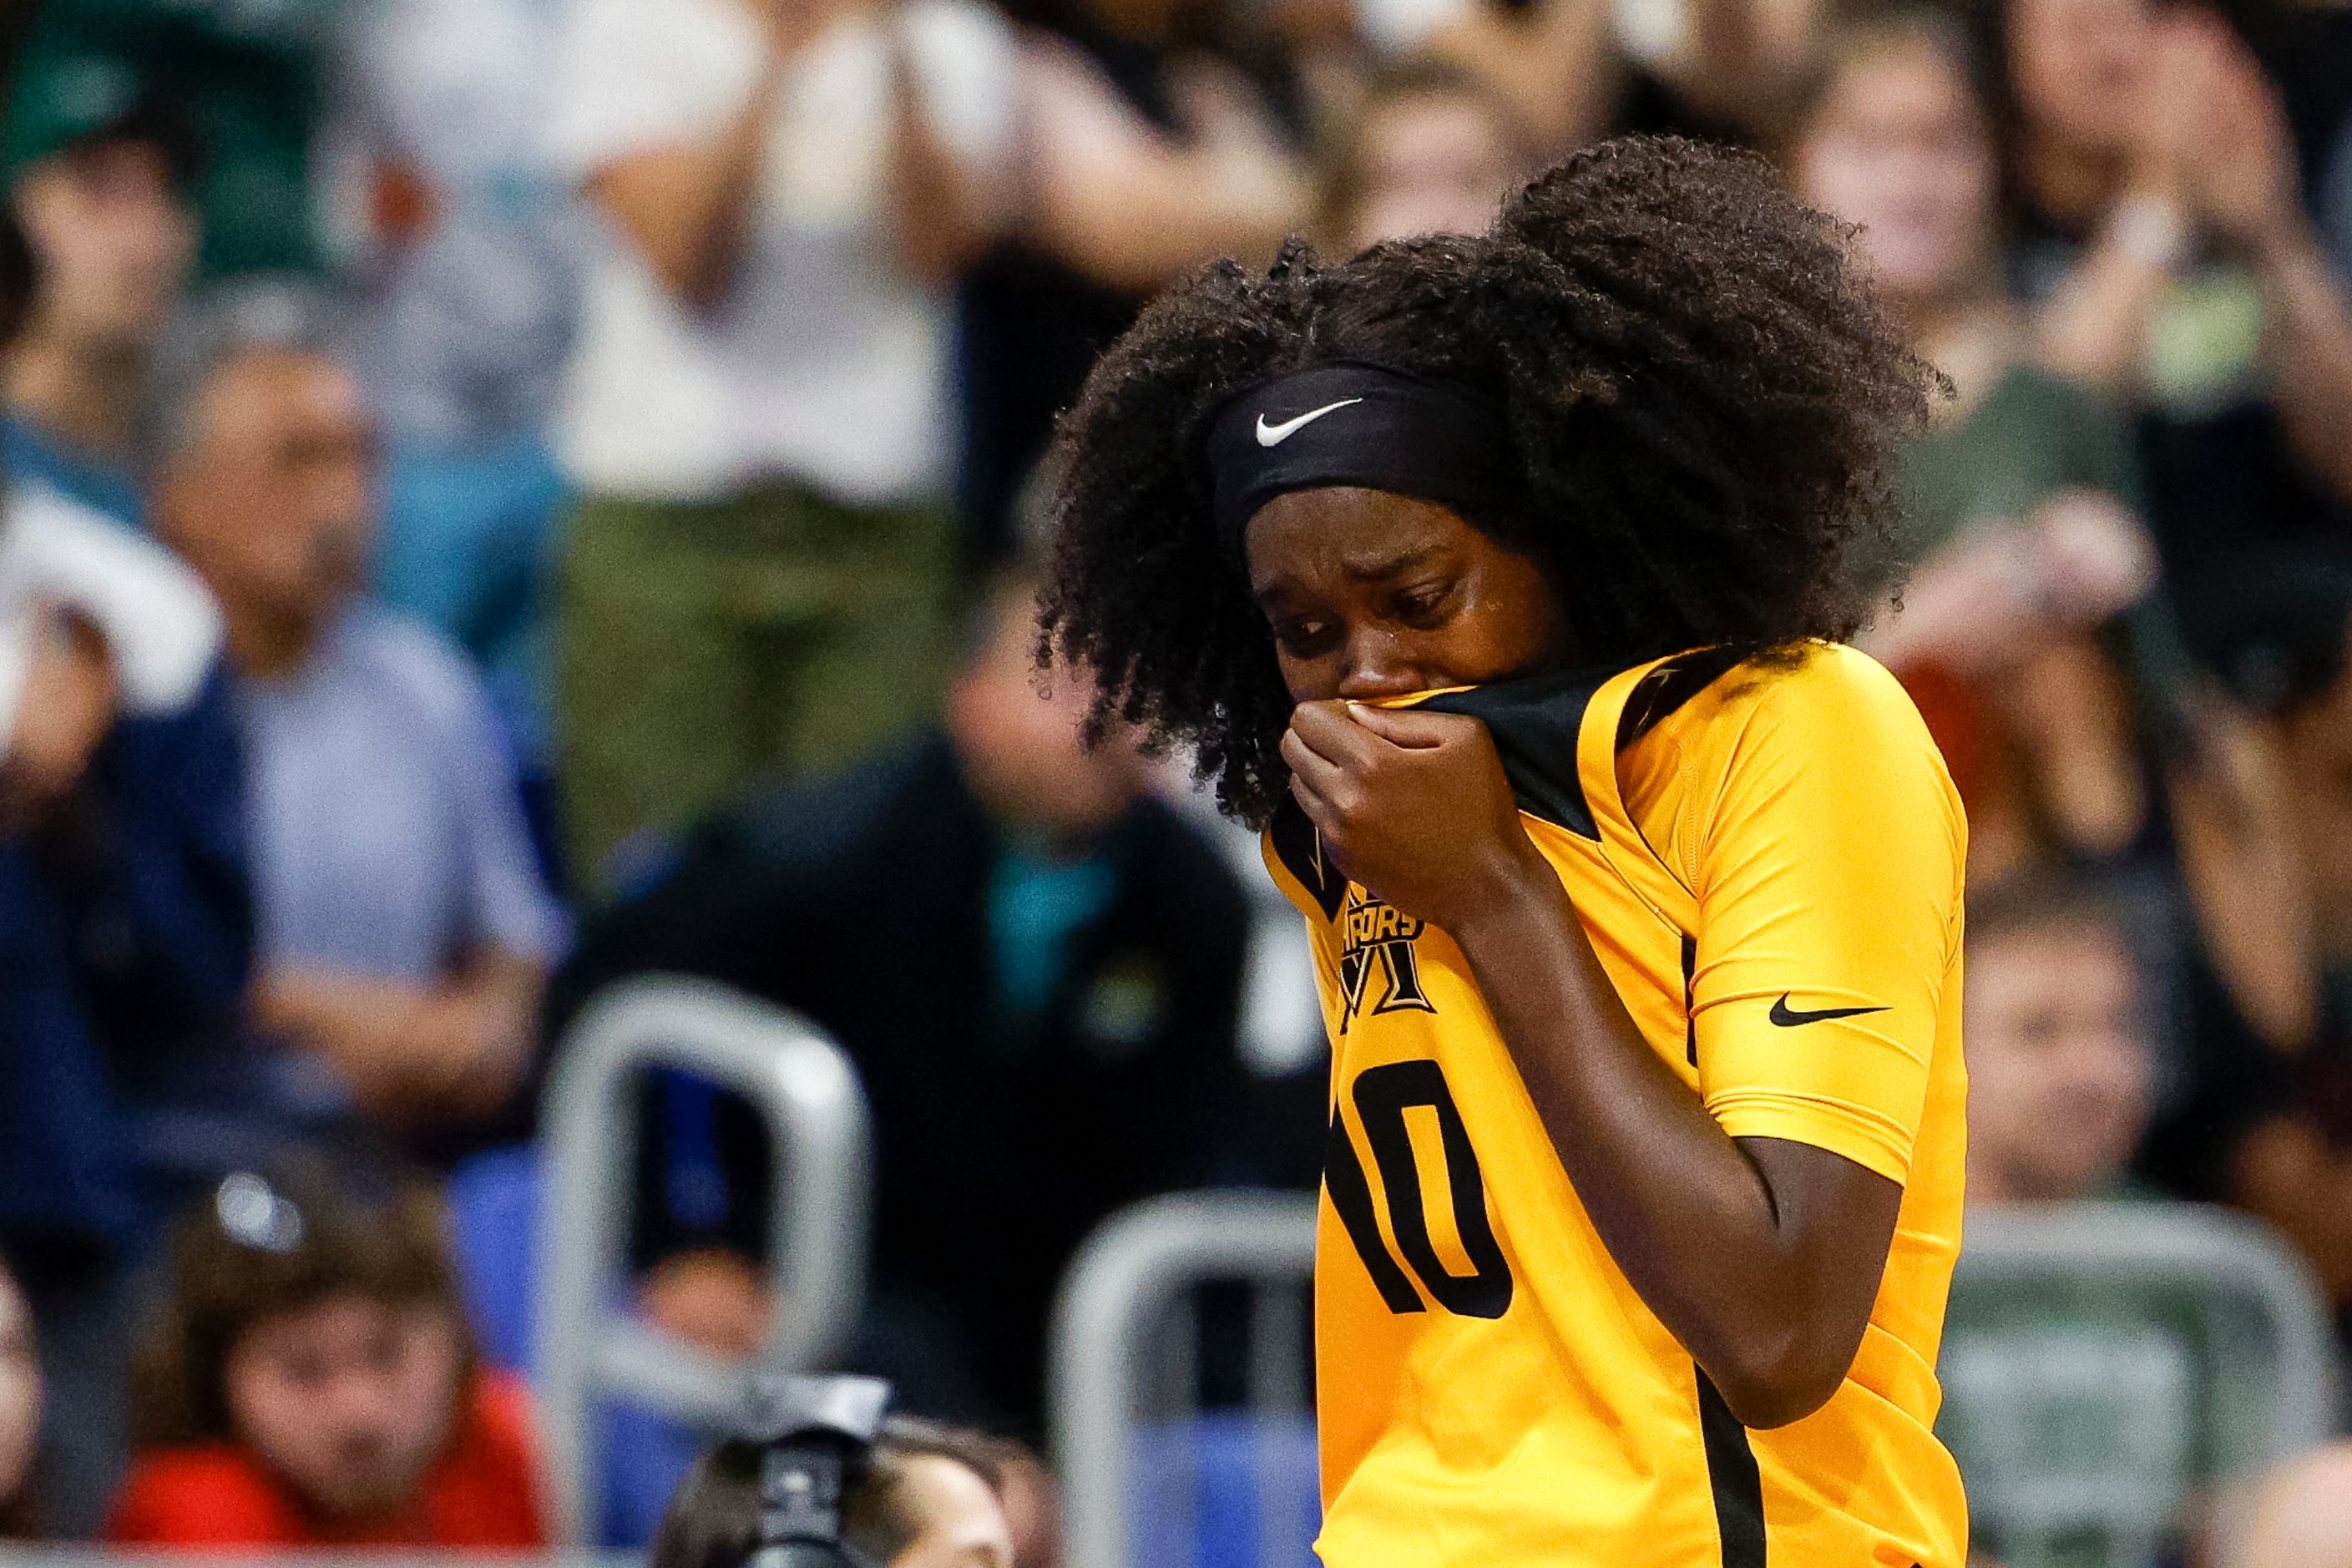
1227, 1489
494, 1208
493, 1200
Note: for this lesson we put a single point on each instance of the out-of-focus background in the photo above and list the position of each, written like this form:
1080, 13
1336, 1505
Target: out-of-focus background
535, 872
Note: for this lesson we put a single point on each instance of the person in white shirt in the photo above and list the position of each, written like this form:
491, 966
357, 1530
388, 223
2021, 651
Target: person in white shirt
758, 412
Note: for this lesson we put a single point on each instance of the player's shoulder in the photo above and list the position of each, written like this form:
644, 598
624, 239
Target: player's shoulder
1828, 700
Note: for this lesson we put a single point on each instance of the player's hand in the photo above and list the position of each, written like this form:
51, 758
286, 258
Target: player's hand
1414, 805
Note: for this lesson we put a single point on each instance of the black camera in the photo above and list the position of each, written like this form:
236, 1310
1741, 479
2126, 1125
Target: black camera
816, 1435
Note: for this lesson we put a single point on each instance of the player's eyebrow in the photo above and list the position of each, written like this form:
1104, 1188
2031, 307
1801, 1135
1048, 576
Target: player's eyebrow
1374, 570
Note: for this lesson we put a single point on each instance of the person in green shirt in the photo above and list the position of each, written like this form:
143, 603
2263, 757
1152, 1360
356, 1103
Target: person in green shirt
2017, 538
2079, 1408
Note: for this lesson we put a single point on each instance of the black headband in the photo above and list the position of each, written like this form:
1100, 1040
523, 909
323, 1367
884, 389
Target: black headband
1363, 424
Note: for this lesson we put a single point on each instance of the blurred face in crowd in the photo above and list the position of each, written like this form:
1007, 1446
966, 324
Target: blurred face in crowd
2298, 1519
1430, 162
20, 1389
2078, 68
1017, 733
1901, 147
113, 240
270, 495
2060, 1073
349, 1400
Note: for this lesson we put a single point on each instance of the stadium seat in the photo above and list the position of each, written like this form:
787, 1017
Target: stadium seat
494, 1205
1227, 1489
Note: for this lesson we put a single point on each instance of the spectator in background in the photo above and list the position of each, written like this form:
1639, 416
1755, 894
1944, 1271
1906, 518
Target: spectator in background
1157, 137
467, 289
2270, 1128
2018, 500
2055, 1380
100, 168
1433, 150
2032, 629
309, 1383
20, 1414
248, 77
2060, 1067
404, 931
2171, 260
1033, 965
757, 573
1556, 64
125, 925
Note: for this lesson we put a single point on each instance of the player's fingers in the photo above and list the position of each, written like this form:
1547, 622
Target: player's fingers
1331, 733
1332, 782
1410, 727
1331, 823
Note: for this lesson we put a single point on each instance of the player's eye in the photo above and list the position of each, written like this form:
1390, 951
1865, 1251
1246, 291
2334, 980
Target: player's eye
1304, 636
1424, 605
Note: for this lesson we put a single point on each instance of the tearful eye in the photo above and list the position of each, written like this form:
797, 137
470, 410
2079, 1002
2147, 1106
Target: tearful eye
1301, 637
1424, 603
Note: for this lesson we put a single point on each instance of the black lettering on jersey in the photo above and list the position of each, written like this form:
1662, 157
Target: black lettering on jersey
1300, 850
1351, 1200
1379, 936
1383, 1094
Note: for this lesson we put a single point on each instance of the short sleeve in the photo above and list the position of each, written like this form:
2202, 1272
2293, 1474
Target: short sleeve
1828, 885
502, 900
633, 75
507, 901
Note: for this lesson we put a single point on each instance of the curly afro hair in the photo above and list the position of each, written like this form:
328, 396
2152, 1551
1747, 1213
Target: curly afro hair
1706, 400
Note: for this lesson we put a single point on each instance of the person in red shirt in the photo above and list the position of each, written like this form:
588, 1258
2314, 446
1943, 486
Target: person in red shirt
311, 1382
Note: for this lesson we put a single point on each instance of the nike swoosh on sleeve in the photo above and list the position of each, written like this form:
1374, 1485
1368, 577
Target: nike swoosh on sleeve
1788, 1017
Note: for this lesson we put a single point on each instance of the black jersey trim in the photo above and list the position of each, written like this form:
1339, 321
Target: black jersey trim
1674, 683
1301, 850
1536, 724
1690, 997
1733, 1478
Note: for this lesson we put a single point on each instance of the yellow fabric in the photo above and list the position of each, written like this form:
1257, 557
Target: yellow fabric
1524, 1407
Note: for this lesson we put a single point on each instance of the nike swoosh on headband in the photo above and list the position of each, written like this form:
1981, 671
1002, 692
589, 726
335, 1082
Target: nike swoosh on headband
1276, 434
1790, 1017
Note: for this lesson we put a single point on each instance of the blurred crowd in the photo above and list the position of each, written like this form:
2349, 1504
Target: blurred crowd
506, 495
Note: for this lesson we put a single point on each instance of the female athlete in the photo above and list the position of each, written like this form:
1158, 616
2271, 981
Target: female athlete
1500, 580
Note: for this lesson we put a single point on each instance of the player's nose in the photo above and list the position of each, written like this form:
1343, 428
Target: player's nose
1378, 666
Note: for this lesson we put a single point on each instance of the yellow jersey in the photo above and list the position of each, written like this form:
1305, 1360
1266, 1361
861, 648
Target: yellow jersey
1766, 856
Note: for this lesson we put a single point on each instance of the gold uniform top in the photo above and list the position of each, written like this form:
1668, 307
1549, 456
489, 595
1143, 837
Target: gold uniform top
1766, 856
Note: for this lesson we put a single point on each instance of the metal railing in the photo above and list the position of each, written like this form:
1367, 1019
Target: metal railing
816, 1117
1121, 1287
1109, 1349
2140, 1264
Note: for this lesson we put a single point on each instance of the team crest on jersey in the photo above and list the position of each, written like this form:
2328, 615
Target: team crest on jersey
1375, 936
